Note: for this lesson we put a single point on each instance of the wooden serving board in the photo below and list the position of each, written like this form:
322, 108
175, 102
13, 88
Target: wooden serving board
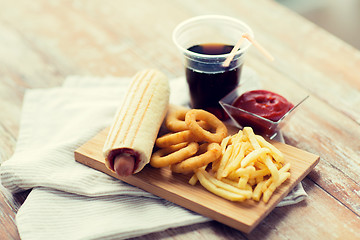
243, 216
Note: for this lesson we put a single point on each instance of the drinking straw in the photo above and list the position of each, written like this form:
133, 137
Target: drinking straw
227, 61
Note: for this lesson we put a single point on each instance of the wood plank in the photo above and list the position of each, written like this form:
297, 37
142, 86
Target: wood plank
175, 188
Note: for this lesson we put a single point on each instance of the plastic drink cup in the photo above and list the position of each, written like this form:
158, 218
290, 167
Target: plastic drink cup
205, 43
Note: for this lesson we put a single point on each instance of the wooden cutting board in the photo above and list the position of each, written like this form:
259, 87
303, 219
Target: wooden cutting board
244, 216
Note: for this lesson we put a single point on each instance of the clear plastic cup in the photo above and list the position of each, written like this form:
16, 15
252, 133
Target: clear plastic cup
205, 42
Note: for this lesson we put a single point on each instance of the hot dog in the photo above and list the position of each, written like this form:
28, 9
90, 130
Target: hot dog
129, 143
124, 164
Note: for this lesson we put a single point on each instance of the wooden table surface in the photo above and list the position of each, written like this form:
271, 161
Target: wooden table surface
42, 42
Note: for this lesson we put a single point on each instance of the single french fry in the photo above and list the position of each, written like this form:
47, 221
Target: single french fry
236, 137
272, 168
243, 181
193, 180
258, 179
251, 136
266, 184
251, 157
276, 153
240, 136
260, 173
233, 177
230, 182
252, 182
224, 160
259, 165
249, 170
258, 191
270, 190
211, 187
224, 144
282, 178
278, 165
285, 168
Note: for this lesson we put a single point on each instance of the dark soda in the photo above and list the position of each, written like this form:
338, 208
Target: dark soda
207, 88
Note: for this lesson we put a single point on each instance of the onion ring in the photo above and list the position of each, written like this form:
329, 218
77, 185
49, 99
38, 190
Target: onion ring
189, 165
197, 114
173, 154
174, 138
175, 121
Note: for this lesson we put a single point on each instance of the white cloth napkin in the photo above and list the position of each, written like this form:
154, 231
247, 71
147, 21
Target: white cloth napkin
72, 201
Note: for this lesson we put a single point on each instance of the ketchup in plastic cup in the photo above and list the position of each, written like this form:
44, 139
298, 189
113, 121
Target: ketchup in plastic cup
205, 43
265, 110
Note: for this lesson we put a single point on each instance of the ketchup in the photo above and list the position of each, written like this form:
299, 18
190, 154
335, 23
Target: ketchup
264, 103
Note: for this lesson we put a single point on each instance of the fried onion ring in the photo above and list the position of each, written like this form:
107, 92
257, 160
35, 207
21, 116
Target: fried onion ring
175, 121
189, 165
173, 154
174, 138
197, 114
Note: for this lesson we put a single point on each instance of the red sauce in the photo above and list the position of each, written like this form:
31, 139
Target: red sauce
268, 105
264, 103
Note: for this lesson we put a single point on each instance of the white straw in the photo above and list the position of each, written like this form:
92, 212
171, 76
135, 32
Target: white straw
227, 61
258, 46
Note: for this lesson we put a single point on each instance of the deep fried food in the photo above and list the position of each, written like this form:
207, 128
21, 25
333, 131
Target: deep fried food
212, 153
170, 139
193, 116
174, 154
180, 122
223, 189
175, 120
249, 163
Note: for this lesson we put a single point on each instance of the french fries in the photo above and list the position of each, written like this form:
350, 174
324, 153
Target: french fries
250, 168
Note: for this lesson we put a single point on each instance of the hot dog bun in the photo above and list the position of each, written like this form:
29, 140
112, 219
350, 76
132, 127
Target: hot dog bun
138, 120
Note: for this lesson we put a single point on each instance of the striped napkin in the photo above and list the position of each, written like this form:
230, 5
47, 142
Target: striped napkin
72, 201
